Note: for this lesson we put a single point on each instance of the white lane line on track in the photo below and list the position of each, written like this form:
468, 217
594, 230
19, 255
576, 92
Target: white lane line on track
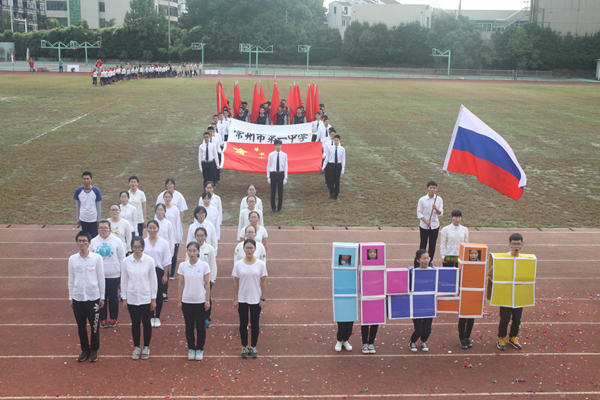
311, 299
309, 277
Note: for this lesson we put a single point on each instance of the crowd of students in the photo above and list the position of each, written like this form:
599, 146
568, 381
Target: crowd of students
127, 72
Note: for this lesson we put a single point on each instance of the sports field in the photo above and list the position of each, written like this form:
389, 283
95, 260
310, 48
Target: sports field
396, 134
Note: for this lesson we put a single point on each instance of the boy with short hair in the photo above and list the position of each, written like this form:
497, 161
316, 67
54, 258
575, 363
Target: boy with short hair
507, 313
88, 203
207, 158
334, 166
277, 172
429, 208
299, 118
86, 292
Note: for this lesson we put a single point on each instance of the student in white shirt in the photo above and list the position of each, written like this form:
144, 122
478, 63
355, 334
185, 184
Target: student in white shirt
111, 249
86, 292
212, 214
429, 208
334, 166
88, 203
165, 226
158, 248
194, 292
120, 227
137, 198
244, 219
249, 286
215, 199
259, 252
316, 125
251, 192
261, 232
201, 222
216, 140
173, 216
178, 199
207, 159
207, 254
277, 172
138, 289
452, 236
128, 212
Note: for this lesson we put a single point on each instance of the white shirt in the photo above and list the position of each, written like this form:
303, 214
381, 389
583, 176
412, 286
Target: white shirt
137, 199
217, 142
330, 156
272, 164
249, 280
424, 210
212, 154
174, 218
160, 252
452, 237
122, 229
259, 253
215, 201
211, 234
244, 220
261, 234
165, 231
323, 132
86, 277
326, 144
112, 252
87, 203
178, 200
212, 216
244, 203
129, 214
138, 280
207, 254
194, 291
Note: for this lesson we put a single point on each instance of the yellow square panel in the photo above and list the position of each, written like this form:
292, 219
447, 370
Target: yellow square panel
502, 294
524, 295
504, 269
525, 271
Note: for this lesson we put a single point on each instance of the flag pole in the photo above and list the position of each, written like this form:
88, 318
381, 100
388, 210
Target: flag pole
435, 198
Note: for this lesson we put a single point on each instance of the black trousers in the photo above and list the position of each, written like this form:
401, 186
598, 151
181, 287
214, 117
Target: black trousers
87, 311
194, 316
209, 312
173, 268
111, 299
140, 229
333, 182
159, 299
506, 313
276, 184
344, 331
90, 227
465, 326
254, 322
422, 329
431, 235
141, 314
209, 171
218, 172
368, 333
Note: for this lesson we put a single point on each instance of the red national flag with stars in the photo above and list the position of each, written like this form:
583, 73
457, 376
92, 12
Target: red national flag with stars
251, 157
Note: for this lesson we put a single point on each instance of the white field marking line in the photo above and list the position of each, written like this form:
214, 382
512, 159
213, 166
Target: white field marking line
459, 354
270, 299
182, 324
294, 277
61, 125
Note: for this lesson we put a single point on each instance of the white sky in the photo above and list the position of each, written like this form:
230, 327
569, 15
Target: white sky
466, 4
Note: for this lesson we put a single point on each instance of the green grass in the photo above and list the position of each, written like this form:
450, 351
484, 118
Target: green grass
396, 134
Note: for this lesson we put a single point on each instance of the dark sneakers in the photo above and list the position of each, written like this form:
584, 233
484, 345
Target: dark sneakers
83, 356
463, 344
93, 355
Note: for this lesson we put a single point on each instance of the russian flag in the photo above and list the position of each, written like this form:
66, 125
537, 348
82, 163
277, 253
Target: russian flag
476, 149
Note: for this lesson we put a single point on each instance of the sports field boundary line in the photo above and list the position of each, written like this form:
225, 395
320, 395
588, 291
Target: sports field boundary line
310, 299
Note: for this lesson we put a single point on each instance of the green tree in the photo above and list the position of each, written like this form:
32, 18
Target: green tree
52, 23
460, 35
145, 28
521, 49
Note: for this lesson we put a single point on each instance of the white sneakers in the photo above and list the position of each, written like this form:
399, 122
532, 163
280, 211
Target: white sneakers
338, 346
155, 322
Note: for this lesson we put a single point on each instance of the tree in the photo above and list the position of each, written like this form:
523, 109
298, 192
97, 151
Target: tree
107, 24
145, 27
460, 35
52, 23
4, 21
521, 48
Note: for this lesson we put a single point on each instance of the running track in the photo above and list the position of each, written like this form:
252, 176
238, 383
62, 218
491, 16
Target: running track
561, 338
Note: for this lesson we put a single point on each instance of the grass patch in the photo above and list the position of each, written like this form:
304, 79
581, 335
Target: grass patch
396, 134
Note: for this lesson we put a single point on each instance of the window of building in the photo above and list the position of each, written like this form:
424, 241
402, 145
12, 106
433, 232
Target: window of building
75, 11
56, 5
427, 26
343, 22
102, 6
334, 9
63, 21
346, 10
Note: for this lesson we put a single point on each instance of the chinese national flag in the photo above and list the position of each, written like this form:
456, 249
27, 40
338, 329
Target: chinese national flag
252, 157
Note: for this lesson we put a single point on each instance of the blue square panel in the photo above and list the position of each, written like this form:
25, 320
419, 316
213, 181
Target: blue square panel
345, 309
423, 280
345, 249
424, 305
344, 282
399, 306
448, 280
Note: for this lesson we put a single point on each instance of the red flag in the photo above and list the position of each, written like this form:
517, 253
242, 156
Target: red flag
275, 101
221, 99
291, 103
255, 105
303, 158
310, 113
298, 96
237, 100
261, 95
316, 99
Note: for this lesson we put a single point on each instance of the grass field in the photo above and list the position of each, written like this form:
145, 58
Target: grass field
396, 134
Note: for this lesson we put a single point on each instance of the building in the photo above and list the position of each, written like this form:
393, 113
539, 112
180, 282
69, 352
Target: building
25, 13
495, 20
578, 17
97, 13
342, 13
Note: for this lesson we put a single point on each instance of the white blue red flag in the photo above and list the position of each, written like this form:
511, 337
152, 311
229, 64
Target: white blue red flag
476, 149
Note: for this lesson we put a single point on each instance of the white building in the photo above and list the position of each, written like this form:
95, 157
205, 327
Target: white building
579, 17
495, 20
25, 13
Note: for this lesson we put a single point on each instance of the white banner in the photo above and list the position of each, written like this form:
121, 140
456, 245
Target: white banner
212, 72
244, 132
